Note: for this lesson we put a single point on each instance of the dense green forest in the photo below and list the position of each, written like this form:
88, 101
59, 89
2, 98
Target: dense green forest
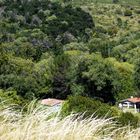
61, 48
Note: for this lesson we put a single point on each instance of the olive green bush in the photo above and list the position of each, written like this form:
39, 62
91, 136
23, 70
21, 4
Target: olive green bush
128, 12
128, 119
11, 97
137, 11
88, 106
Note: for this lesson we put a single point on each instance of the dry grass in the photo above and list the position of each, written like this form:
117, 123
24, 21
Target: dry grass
41, 124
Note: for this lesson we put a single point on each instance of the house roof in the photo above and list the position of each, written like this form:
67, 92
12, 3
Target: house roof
51, 102
133, 100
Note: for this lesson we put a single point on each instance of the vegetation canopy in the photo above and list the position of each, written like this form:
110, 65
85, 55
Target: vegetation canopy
85, 52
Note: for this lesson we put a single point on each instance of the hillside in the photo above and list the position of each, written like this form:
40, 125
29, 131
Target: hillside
37, 36
88, 2
85, 52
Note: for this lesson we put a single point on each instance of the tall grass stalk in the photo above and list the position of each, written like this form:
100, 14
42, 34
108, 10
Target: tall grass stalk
41, 124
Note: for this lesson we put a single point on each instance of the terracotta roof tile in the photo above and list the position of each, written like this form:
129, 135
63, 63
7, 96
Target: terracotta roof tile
134, 100
51, 102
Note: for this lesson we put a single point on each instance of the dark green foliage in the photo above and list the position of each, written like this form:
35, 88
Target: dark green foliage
61, 87
29, 29
128, 119
137, 75
24, 76
88, 106
128, 12
73, 21
53, 49
11, 97
119, 22
100, 84
112, 30
119, 11
105, 78
101, 45
51, 18
115, 1
137, 11
100, 29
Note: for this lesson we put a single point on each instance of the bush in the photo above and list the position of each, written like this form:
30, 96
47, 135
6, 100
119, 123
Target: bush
88, 106
51, 18
115, 1
127, 13
11, 97
112, 30
100, 29
118, 11
128, 119
137, 11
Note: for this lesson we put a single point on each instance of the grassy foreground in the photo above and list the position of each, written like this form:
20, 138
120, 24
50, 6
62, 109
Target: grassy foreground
41, 124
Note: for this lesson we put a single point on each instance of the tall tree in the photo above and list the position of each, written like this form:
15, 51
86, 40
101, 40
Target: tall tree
137, 76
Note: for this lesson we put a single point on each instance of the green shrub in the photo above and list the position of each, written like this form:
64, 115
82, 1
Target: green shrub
51, 18
137, 11
118, 11
127, 13
119, 22
88, 106
112, 30
128, 119
115, 1
100, 29
11, 97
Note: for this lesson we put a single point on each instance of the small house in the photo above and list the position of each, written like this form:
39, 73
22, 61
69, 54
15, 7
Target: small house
55, 104
130, 103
